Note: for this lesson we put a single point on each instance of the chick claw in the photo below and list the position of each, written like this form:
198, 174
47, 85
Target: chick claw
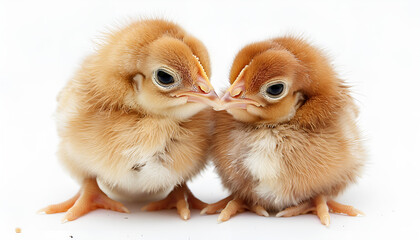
180, 198
320, 206
89, 198
230, 206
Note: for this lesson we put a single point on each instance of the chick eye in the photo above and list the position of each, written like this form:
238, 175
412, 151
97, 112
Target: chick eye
164, 78
275, 90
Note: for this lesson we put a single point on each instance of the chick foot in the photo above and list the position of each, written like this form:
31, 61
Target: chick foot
231, 206
89, 198
321, 207
180, 198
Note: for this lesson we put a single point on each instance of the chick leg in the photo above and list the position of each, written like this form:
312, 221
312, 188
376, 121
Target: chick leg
231, 206
89, 198
321, 207
180, 198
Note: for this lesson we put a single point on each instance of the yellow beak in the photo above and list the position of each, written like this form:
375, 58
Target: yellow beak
234, 96
203, 91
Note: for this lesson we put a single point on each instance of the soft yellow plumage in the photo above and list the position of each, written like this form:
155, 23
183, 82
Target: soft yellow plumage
134, 119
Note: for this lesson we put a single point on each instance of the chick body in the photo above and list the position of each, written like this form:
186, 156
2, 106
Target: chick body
133, 117
279, 151
281, 166
130, 154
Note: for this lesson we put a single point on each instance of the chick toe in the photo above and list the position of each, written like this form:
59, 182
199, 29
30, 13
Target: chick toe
180, 198
216, 207
230, 206
259, 210
60, 207
322, 210
302, 208
234, 206
89, 198
336, 207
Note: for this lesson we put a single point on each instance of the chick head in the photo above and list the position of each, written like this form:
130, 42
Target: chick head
284, 79
155, 67
266, 85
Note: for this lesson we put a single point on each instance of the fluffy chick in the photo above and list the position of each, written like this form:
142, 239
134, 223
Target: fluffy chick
133, 120
289, 137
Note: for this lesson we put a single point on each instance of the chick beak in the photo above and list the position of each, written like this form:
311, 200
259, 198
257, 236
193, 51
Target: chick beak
202, 92
235, 97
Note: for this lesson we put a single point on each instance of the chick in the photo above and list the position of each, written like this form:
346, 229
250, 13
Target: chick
288, 140
133, 120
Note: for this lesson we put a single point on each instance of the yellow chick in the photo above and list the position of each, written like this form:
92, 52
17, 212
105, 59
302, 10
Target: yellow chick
133, 119
288, 140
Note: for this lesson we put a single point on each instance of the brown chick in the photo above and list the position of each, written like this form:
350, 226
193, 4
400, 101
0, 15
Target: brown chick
133, 119
288, 141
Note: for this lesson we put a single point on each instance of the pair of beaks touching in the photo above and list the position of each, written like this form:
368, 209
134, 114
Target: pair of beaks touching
205, 93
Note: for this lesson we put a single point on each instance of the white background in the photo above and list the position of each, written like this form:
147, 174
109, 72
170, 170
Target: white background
375, 46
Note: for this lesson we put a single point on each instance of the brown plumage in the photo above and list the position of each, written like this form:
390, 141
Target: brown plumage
133, 119
289, 136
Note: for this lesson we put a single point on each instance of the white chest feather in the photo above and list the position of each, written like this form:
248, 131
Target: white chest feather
148, 168
144, 166
263, 161
148, 173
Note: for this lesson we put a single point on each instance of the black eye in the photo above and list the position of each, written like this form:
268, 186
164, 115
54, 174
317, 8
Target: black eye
164, 78
275, 90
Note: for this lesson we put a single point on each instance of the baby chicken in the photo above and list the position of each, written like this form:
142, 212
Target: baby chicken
133, 120
288, 141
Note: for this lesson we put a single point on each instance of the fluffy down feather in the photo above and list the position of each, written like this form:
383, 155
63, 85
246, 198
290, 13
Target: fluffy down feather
281, 147
134, 116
